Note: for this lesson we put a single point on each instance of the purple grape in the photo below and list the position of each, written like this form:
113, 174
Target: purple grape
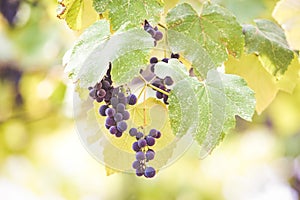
159, 95
140, 155
114, 101
102, 110
105, 85
133, 132
168, 80
123, 100
149, 172
93, 93
153, 132
126, 115
99, 99
153, 60
150, 154
139, 172
120, 108
166, 60
158, 134
113, 130
118, 117
119, 134
175, 55
101, 93
136, 164
122, 126
142, 143
158, 35
139, 135
121, 95
110, 112
150, 140
110, 121
132, 99
136, 147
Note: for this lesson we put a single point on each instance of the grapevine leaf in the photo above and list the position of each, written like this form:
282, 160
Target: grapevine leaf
260, 81
287, 14
268, 41
91, 55
212, 104
173, 68
78, 14
206, 39
128, 13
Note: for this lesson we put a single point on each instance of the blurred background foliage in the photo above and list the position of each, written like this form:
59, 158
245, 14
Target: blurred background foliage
41, 156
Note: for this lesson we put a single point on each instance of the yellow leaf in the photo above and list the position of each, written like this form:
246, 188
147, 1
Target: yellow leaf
79, 14
258, 79
287, 14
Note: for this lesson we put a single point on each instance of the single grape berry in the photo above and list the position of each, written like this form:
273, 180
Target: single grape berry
166, 60
139, 135
119, 134
139, 172
133, 132
168, 80
159, 95
136, 147
118, 117
150, 155
122, 126
150, 140
102, 110
105, 85
126, 115
110, 121
175, 55
158, 134
93, 93
136, 164
140, 155
132, 99
121, 95
120, 108
153, 60
149, 172
114, 101
158, 35
153, 132
142, 143
110, 112
99, 99
113, 130
101, 93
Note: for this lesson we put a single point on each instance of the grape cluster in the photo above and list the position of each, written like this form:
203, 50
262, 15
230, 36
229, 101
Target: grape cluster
116, 113
143, 151
154, 32
102, 90
162, 83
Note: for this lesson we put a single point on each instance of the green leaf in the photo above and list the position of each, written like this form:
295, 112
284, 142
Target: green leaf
268, 41
78, 14
206, 39
173, 68
207, 109
128, 14
91, 55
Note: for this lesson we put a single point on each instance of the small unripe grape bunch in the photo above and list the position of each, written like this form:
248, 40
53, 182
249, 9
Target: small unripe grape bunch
116, 112
143, 151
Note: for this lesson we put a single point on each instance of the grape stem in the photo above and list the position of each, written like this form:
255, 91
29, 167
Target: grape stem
153, 87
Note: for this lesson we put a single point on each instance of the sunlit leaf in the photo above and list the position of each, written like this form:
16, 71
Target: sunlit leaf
78, 14
267, 40
128, 14
96, 48
204, 39
207, 109
260, 81
287, 14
